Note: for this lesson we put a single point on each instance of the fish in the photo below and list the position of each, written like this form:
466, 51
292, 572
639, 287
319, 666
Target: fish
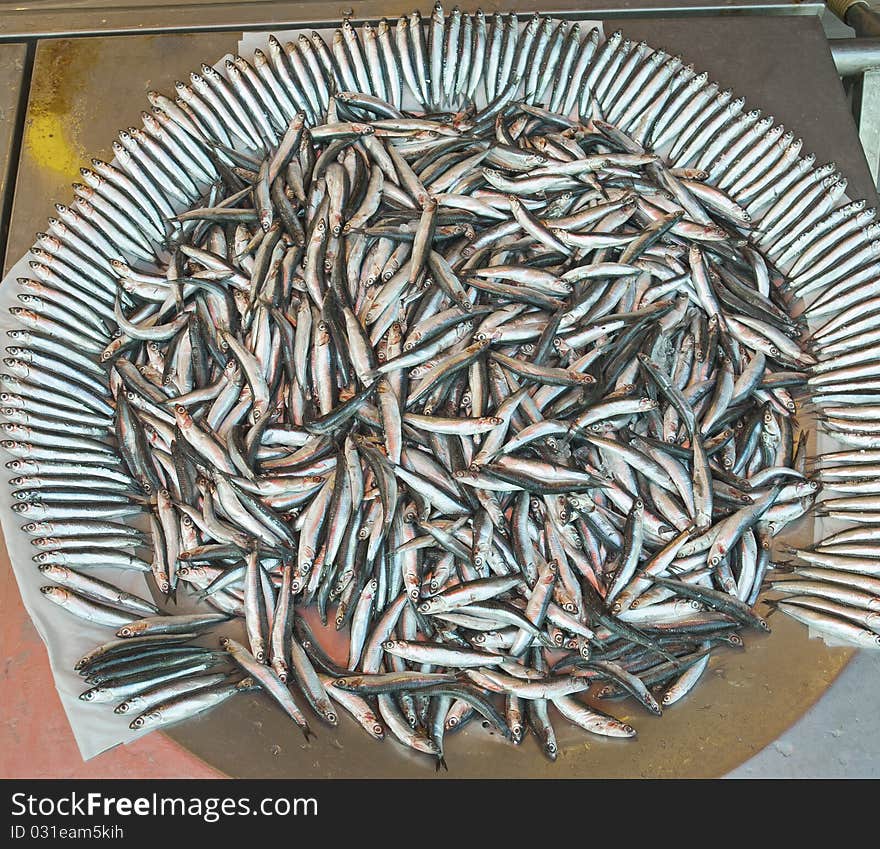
486, 340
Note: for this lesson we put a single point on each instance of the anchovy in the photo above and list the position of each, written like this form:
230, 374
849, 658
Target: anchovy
484, 339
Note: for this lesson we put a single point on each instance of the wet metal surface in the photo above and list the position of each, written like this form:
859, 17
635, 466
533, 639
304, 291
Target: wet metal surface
12, 73
85, 90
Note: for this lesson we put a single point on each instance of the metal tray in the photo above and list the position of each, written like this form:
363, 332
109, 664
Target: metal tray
747, 698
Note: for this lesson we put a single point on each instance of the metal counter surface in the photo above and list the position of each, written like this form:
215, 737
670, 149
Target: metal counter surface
85, 89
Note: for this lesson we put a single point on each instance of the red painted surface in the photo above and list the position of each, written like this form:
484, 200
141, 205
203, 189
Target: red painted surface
35, 737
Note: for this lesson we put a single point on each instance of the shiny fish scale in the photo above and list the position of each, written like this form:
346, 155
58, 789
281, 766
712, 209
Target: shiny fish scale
589, 407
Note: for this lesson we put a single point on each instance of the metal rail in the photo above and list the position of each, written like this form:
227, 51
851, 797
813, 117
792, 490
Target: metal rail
861, 56
854, 56
49, 18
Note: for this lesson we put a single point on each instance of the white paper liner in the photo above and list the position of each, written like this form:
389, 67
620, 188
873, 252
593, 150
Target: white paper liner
67, 637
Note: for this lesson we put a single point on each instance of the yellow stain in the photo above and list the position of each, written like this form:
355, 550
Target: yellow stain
61, 87
47, 141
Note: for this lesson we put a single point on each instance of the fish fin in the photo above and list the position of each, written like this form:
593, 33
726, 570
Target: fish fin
772, 604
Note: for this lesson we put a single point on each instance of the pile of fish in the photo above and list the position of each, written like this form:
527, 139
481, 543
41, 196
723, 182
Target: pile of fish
472, 342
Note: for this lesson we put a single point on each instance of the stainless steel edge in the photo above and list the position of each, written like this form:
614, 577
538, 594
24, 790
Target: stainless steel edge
43, 18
